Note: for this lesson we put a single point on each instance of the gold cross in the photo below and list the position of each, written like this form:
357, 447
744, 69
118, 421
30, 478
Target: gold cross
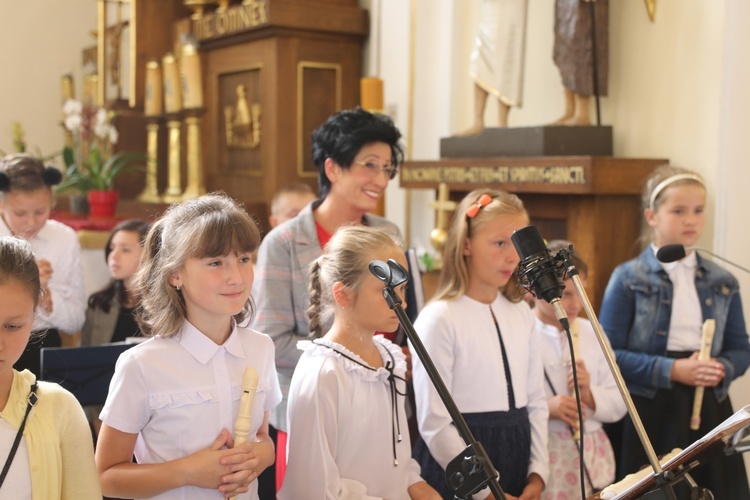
442, 206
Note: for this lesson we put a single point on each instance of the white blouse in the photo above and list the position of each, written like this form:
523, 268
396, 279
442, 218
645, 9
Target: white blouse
342, 426
461, 339
178, 393
555, 351
58, 244
686, 317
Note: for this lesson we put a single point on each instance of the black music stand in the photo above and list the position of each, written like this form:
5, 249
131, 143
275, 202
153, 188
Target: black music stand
84, 371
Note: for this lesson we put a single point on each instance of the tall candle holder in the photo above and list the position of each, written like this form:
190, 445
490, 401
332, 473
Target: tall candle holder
150, 193
173, 194
195, 180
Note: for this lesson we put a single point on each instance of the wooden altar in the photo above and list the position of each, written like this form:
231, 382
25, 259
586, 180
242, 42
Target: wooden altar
272, 71
592, 201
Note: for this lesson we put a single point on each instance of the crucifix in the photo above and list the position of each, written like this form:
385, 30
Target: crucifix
439, 235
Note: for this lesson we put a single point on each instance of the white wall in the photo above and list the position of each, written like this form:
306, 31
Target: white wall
40, 41
732, 238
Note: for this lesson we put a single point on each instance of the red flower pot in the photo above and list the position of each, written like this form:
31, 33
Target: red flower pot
102, 203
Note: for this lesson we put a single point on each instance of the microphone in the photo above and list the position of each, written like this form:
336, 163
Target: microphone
538, 272
671, 253
676, 251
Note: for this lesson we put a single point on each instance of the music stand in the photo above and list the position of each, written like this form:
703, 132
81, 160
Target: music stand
84, 371
718, 441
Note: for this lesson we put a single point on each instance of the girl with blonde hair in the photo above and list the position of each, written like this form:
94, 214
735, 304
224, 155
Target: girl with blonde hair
348, 434
482, 338
653, 314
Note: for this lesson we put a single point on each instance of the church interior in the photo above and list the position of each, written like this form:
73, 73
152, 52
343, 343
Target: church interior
223, 95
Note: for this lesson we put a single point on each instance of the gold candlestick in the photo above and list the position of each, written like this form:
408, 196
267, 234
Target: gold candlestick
150, 193
154, 105
173, 193
195, 183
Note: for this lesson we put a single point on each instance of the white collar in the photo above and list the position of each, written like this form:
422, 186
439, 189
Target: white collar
202, 348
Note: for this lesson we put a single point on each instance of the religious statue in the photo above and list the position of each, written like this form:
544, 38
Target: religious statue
497, 60
577, 32
242, 122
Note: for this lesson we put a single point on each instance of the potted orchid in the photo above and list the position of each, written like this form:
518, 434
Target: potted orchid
90, 166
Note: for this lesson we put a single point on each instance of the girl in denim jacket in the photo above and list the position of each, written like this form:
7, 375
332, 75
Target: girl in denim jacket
653, 313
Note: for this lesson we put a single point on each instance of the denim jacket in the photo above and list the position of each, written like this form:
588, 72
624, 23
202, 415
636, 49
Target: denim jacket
636, 311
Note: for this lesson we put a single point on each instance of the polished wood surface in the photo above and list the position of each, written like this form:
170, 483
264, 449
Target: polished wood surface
592, 201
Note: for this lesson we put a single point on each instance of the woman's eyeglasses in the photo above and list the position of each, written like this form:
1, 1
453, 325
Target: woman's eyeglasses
374, 169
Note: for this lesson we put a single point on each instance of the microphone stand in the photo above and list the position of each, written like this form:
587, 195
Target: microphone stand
663, 478
472, 469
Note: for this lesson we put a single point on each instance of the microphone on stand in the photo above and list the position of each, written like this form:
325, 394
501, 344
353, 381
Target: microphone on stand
541, 274
674, 252
538, 272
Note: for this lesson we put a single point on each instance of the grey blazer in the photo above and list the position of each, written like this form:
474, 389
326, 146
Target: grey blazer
280, 290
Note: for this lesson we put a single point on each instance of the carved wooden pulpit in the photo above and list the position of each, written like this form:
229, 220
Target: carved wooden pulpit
272, 71
592, 201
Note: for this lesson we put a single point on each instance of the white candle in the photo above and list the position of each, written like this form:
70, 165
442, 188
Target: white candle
154, 105
172, 87
192, 85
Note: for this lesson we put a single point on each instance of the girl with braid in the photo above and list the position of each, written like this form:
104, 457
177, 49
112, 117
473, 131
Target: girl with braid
348, 435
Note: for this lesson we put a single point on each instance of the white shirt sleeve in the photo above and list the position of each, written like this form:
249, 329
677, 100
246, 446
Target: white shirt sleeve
537, 408
435, 423
66, 287
610, 406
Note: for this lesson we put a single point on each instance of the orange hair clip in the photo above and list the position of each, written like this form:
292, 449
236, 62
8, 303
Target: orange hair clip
473, 210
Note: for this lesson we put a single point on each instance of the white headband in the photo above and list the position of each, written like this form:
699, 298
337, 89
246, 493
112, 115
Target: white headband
669, 180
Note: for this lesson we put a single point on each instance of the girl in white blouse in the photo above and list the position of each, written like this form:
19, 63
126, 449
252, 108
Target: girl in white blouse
600, 398
174, 398
348, 434
483, 341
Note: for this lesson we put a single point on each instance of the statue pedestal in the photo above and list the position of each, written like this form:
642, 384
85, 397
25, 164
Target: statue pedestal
547, 140
594, 201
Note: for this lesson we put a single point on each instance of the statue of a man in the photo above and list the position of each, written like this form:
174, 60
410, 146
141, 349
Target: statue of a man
497, 59
573, 54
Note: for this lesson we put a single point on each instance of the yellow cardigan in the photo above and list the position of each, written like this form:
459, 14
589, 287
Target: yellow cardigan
58, 439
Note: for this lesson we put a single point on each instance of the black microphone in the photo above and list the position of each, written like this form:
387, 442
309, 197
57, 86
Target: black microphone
676, 251
670, 253
538, 272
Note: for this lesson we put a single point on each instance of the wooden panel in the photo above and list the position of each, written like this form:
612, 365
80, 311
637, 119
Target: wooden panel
318, 97
298, 59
